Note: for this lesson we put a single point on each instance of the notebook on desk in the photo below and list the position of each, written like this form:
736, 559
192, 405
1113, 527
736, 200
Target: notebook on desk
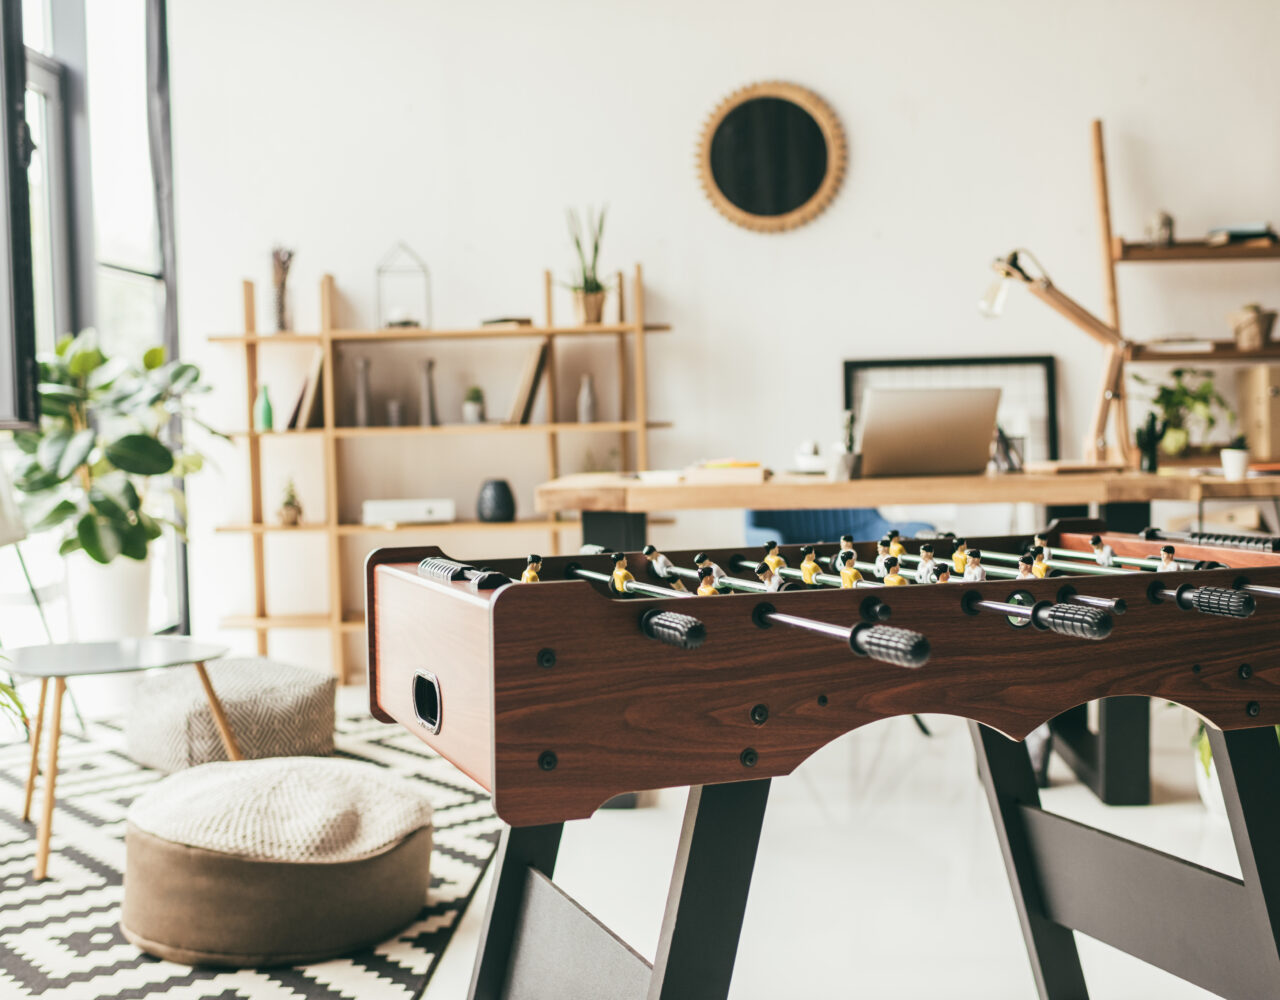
927, 432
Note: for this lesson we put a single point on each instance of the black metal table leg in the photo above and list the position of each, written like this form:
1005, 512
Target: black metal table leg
708, 897
616, 531
1010, 783
1115, 762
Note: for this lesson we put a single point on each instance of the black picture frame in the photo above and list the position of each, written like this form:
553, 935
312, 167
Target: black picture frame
1044, 361
19, 401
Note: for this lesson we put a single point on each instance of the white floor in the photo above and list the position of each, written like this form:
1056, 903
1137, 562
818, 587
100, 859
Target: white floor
878, 875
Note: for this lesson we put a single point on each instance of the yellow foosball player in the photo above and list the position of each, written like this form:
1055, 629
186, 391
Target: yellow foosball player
1039, 566
896, 548
958, 558
849, 575
809, 567
618, 582
532, 568
706, 582
892, 578
775, 561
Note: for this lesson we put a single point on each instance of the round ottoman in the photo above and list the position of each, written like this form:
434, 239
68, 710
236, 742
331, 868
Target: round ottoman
274, 862
274, 710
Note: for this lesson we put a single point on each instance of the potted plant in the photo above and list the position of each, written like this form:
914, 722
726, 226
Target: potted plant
1148, 437
1235, 459
11, 704
290, 512
588, 290
1191, 403
97, 469
473, 406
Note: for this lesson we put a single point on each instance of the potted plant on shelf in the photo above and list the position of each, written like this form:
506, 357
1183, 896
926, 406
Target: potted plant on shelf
1190, 405
588, 290
1235, 459
99, 468
473, 406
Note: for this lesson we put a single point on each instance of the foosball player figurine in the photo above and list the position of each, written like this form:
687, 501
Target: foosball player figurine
765, 574
532, 568
926, 565
661, 566
882, 553
1025, 570
1041, 540
1038, 564
775, 561
809, 567
703, 561
942, 572
896, 548
706, 582
958, 559
892, 578
1103, 555
973, 571
1167, 562
849, 575
620, 579
846, 543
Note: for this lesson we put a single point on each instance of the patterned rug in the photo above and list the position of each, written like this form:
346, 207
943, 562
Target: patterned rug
60, 939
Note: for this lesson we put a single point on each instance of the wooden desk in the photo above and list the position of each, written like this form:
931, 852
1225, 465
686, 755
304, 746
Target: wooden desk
614, 506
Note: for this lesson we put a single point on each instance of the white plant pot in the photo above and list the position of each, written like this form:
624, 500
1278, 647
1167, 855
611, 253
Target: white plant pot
1235, 464
109, 601
1209, 787
472, 413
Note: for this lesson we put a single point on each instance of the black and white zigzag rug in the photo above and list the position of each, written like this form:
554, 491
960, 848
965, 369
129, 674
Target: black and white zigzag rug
60, 939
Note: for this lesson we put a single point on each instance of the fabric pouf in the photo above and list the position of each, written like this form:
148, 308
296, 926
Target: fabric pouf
274, 862
273, 709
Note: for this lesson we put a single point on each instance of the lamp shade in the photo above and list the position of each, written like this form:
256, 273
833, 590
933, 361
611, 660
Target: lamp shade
991, 304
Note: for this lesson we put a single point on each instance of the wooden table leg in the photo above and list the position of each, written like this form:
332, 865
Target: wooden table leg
219, 716
50, 779
35, 752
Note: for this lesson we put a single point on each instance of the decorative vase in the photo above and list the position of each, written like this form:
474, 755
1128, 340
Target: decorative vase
362, 392
472, 411
588, 307
586, 401
427, 395
393, 413
496, 501
290, 513
263, 418
1235, 464
1251, 327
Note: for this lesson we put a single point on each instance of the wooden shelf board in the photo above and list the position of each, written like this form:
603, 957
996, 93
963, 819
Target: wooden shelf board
308, 432
258, 529
276, 621
494, 427
528, 524
1192, 250
266, 338
1224, 351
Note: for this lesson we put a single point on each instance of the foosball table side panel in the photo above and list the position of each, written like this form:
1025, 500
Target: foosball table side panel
430, 637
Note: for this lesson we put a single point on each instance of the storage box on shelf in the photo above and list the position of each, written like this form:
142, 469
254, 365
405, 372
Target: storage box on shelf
632, 430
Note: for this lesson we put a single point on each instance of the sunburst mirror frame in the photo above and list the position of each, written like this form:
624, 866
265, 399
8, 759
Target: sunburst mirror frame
832, 134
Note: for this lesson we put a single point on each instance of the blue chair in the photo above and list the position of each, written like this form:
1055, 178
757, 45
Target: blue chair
792, 527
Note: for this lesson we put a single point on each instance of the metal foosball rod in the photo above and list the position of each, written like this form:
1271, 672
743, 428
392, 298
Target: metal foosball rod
1227, 602
1137, 562
1072, 620
822, 579
900, 646
1255, 588
1116, 605
1067, 566
670, 627
998, 572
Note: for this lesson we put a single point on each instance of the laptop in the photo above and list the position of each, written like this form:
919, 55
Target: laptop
927, 432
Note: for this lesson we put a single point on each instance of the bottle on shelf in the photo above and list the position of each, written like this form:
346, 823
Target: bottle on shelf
263, 418
362, 392
586, 400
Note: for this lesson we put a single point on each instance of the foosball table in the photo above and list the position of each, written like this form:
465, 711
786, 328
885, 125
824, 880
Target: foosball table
559, 683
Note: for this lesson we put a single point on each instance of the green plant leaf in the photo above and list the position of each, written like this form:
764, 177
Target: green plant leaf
27, 441
99, 538
85, 361
105, 375
54, 516
133, 542
49, 451
108, 506
63, 345
69, 544
183, 376
34, 478
150, 526
140, 454
10, 702
1203, 750
76, 452
153, 358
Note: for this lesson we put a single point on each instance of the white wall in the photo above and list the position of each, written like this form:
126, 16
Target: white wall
467, 128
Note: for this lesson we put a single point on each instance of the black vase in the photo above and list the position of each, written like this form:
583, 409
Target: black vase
496, 501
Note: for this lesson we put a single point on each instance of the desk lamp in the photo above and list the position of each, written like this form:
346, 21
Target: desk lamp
1022, 265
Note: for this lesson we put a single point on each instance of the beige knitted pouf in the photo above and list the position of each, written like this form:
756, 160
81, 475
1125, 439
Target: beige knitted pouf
274, 710
274, 862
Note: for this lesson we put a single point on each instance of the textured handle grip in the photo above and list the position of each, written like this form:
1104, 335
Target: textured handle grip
1219, 601
673, 628
1257, 543
440, 568
890, 644
1074, 620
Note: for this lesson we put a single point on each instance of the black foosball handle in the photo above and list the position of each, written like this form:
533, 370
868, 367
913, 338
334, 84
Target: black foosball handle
673, 628
890, 644
1073, 620
1221, 601
440, 568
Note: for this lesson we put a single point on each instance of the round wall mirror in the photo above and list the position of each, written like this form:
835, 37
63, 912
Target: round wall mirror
772, 156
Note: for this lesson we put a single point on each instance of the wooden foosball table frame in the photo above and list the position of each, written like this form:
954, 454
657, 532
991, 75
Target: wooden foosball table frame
555, 697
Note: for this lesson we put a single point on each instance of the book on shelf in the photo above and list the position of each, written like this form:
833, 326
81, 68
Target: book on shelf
1254, 234
307, 413
522, 404
506, 322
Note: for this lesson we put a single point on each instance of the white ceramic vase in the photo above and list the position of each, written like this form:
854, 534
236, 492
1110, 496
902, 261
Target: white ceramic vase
472, 412
111, 601
1235, 464
586, 400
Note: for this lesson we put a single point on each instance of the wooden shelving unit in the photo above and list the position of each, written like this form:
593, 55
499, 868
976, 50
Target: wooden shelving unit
339, 620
